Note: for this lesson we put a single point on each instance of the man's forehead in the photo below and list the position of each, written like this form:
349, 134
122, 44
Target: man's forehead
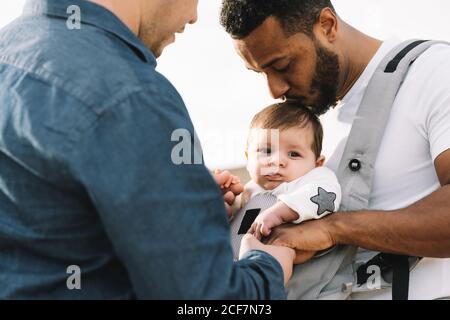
265, 43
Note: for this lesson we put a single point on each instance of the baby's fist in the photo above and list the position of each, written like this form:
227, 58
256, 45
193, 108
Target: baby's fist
264, 223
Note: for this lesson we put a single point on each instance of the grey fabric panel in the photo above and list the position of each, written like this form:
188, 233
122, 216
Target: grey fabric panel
318, 278
261, 201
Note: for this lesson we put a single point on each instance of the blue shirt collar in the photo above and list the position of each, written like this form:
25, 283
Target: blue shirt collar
95, 15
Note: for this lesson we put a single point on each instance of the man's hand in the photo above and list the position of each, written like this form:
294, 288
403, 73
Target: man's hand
306, 238
285, 256
231, 187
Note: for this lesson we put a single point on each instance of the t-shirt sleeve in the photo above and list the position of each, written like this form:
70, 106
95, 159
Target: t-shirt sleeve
433, 117
438, 127
315, 196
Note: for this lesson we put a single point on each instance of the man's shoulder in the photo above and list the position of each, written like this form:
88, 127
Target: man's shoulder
438, 50
90, 64
433, 66
427, 84
76, 76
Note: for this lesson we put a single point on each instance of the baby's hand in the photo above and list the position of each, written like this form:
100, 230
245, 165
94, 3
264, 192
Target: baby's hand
264, 223
226, 180
230, 186
271, 218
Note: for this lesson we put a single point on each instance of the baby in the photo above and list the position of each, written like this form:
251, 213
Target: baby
284, 159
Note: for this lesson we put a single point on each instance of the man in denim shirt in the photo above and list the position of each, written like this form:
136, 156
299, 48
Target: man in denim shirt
87, 182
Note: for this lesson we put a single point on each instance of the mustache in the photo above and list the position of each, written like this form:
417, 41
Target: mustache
295, 99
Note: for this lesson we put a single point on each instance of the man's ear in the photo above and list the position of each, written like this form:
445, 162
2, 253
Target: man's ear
320, 162
326, 25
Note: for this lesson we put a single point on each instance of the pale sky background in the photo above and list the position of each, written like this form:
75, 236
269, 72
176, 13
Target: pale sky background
222, 96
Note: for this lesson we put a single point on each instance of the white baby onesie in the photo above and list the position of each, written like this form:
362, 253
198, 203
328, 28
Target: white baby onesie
312, 196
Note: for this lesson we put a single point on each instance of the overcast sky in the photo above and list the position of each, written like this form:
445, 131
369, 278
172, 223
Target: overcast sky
222, 96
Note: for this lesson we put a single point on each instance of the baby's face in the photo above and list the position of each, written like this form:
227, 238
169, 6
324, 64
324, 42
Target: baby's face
278, 156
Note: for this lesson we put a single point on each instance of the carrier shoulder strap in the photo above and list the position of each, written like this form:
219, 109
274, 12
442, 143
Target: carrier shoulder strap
356, 169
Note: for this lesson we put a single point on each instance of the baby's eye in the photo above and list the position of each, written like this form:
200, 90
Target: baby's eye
265, 151
294, 154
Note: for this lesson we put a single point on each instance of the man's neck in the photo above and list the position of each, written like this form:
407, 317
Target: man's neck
127, 11
359, 50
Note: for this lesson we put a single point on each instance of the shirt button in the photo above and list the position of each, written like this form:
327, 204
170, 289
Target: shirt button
355, 165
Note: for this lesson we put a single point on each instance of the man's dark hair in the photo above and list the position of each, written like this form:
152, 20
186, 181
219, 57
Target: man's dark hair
241, 17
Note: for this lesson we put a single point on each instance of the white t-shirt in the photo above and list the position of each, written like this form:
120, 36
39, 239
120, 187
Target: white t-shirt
312, 196
418, 131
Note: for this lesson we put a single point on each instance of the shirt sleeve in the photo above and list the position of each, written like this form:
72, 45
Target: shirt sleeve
438, 127
315, 196
432, 112
166, 221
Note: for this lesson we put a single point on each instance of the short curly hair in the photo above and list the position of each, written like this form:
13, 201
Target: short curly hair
241, 17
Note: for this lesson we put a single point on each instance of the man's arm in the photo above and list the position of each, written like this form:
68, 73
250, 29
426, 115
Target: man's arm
442, 165
167, 222
422, 229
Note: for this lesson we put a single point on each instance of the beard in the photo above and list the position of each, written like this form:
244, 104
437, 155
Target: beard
324, 84
325, 81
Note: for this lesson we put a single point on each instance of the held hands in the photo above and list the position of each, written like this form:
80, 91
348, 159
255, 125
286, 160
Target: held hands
273, 218
306, 238
230, 186
285, 256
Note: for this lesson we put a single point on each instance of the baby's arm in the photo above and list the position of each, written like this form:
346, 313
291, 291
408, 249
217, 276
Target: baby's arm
273, 217
314, 196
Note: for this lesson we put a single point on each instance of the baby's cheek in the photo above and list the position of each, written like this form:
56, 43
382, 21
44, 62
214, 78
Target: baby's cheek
253, 168
259, 180
299, 170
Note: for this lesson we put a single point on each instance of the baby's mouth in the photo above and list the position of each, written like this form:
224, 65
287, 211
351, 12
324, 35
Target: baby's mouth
274, 177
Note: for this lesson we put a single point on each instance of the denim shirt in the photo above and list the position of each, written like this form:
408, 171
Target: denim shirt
87, 178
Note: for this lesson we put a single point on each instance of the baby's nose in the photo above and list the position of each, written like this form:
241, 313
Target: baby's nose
278, 161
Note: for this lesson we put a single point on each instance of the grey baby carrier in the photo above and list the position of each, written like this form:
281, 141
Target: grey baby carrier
333, 275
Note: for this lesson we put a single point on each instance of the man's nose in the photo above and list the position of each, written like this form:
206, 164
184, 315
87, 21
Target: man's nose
194, 17
278, 87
